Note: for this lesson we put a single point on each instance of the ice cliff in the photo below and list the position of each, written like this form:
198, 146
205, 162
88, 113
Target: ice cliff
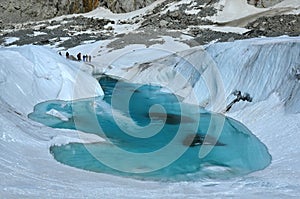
261, 67
32, 74
208, 75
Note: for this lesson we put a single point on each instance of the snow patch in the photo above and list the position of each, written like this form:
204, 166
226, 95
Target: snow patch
10, 40
239, 9
38, 33
225, 29
53, 27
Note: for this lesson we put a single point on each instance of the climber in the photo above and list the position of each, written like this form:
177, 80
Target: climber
79, 56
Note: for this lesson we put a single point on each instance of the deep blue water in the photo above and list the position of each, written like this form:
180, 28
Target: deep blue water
157, 148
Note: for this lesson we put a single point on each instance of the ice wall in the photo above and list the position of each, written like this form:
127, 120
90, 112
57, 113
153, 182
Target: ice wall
261, 67
180, 73
207, 76
32, 74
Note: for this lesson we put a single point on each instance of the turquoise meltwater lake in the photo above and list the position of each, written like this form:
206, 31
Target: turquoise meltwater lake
151, 135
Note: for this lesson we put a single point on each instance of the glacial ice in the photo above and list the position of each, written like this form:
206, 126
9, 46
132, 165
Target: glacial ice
32, 74
273, 116
258, 66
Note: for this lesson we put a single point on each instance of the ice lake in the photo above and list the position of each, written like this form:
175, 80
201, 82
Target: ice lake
151, 135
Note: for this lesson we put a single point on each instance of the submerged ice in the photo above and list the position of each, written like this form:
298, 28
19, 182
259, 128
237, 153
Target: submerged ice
156, 145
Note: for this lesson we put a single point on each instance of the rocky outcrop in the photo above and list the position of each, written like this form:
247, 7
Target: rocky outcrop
16, 11
27, 10
263, 3
121, 6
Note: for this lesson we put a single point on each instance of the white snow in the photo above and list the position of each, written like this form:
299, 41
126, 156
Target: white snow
192, 12
288, 3
225, 29
235, 9
10, 40
38, 33
53, 27
240, 9
106, 58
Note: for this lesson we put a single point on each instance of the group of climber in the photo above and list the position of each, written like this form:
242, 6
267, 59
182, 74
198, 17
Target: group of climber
85, 58
255, 2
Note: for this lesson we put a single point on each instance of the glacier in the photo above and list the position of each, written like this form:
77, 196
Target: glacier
32, 74
260, 66
263, 67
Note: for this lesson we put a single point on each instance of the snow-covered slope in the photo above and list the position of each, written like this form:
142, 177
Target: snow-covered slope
239, 12
32, 74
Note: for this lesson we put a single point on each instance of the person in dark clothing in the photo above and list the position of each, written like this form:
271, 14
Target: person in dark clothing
79, 56
67, 55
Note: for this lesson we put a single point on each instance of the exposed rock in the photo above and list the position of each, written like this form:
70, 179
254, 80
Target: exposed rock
30, 10
296, 72
263, 3
121, 6
64, 28
275, 26
175, 15
179, 18
163, 23
18, 11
